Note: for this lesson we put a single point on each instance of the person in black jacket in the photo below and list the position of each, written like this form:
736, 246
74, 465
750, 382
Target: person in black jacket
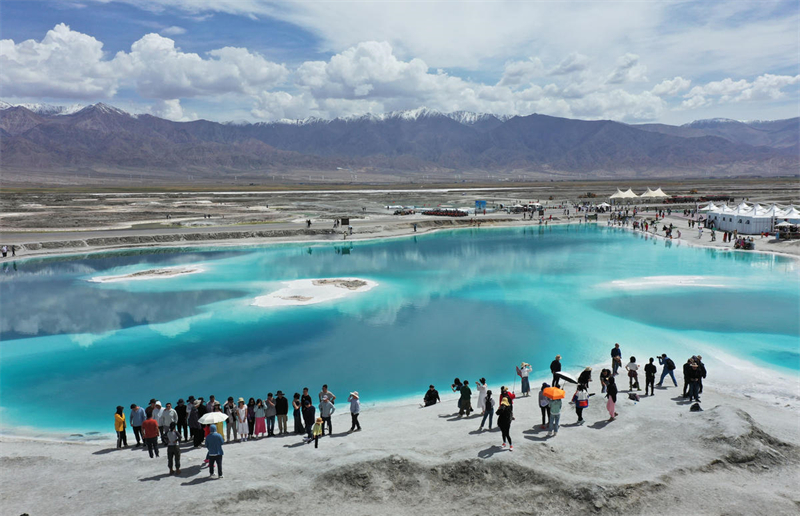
650, 377
585, 377
702, 367
611, 394
694, 376
686, 368
504, 417
180, 409
555, 367
282, 411
308, 418
431, 397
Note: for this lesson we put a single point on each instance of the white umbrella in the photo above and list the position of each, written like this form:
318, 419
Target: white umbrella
212, 418
784, 224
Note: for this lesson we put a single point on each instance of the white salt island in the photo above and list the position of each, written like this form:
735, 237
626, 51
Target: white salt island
161, 273
313, 291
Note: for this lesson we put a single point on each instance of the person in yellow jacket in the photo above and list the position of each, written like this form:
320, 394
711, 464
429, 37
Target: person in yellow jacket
119, 426
317, 431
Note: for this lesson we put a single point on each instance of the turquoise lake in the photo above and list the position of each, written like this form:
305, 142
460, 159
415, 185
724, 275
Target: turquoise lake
465, 303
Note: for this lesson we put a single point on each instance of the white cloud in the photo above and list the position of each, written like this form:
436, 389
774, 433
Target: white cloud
574, 62
173, 31
671, 87
628, 70
642, 106
171, 110
518, 73
65, 64
766, 86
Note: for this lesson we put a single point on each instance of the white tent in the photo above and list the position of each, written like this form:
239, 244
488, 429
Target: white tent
660, 193
654, 193
603, 205
617, 195
628, 194
711, 207
746, 219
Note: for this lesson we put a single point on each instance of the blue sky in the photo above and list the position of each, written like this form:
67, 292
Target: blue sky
672, 61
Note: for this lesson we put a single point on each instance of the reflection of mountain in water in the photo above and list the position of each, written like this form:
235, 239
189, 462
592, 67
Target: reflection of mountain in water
33, 309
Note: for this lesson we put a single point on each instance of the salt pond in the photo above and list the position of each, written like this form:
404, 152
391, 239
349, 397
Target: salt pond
465, 303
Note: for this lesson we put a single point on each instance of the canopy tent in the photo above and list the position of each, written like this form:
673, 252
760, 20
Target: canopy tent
603, 205
654, 193
710, 207
749, 219
617, 195
628, 194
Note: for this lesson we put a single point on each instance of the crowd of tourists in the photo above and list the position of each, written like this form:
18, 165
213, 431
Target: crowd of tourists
550, 400
164, 425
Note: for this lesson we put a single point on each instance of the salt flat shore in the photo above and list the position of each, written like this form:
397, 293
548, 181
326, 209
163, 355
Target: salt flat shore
738, 456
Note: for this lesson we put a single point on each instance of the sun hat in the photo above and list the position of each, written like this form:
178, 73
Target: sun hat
558, 357
588, 369
241, 400
158, 404
324, 398
505, 402
354, 394
319, 420
279, 393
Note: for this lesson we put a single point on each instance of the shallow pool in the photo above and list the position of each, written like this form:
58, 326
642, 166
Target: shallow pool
466, 303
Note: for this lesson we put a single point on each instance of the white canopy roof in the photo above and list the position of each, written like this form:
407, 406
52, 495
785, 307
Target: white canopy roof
604, 205
654, 193
617, 195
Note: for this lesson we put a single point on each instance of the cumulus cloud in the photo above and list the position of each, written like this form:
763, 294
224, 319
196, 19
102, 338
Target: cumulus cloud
521, 72
574, 62
69, 64
65, 64
628, 70
767, 86
671, 87
171, 110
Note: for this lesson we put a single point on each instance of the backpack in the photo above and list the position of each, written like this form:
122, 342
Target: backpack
670, 364
633, 396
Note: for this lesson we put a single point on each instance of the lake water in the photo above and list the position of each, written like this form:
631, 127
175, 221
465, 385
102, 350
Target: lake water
466, 303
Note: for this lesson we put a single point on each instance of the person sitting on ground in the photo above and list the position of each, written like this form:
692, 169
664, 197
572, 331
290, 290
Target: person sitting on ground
431, 397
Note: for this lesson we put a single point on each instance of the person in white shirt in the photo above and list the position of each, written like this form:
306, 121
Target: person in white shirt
165, 420
633, 375
524, 371
481, 386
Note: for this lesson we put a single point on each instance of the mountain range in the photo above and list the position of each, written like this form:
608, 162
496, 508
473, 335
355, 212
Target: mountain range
53, 140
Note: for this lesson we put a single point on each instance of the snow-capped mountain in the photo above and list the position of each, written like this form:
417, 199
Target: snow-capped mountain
44, 109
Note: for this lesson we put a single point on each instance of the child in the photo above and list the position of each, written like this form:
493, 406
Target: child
317, 431
544, 405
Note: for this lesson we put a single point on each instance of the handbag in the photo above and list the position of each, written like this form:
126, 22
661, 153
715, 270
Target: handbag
583, 403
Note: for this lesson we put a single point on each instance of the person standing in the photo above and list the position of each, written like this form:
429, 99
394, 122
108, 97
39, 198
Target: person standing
261, 418
611, 394
230, 411
174, 449
137, 418
466, 399
168, 416
150, 430
581, 402
269, 405
694, 382
355, 410
488, 410
481, 386
702, 367
119, 426
241, 421
157, 410
297, 412
214, 443
326, 410
180, 409
555, 416
309, 418
585, 377
325, 392
282, 411
306, 397
555, 367
456, 386
504, 417
318, 430
686, 368
650, 377
524, 370
633, 375
544, 405
668, 369
251, 416
431, 397
210, 404
194, 423
616, 359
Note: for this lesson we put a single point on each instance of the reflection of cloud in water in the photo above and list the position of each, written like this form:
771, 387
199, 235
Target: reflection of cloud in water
174, 328
61, 306
85, 340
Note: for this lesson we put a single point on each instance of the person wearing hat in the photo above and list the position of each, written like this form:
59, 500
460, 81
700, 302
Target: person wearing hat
319, 429
194, 423
524, 371
585, 377
355, 409
555, 367
326, 410
119, 426
241, 421
230, 411
282, 411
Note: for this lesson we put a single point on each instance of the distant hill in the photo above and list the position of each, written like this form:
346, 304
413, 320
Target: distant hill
101, 137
